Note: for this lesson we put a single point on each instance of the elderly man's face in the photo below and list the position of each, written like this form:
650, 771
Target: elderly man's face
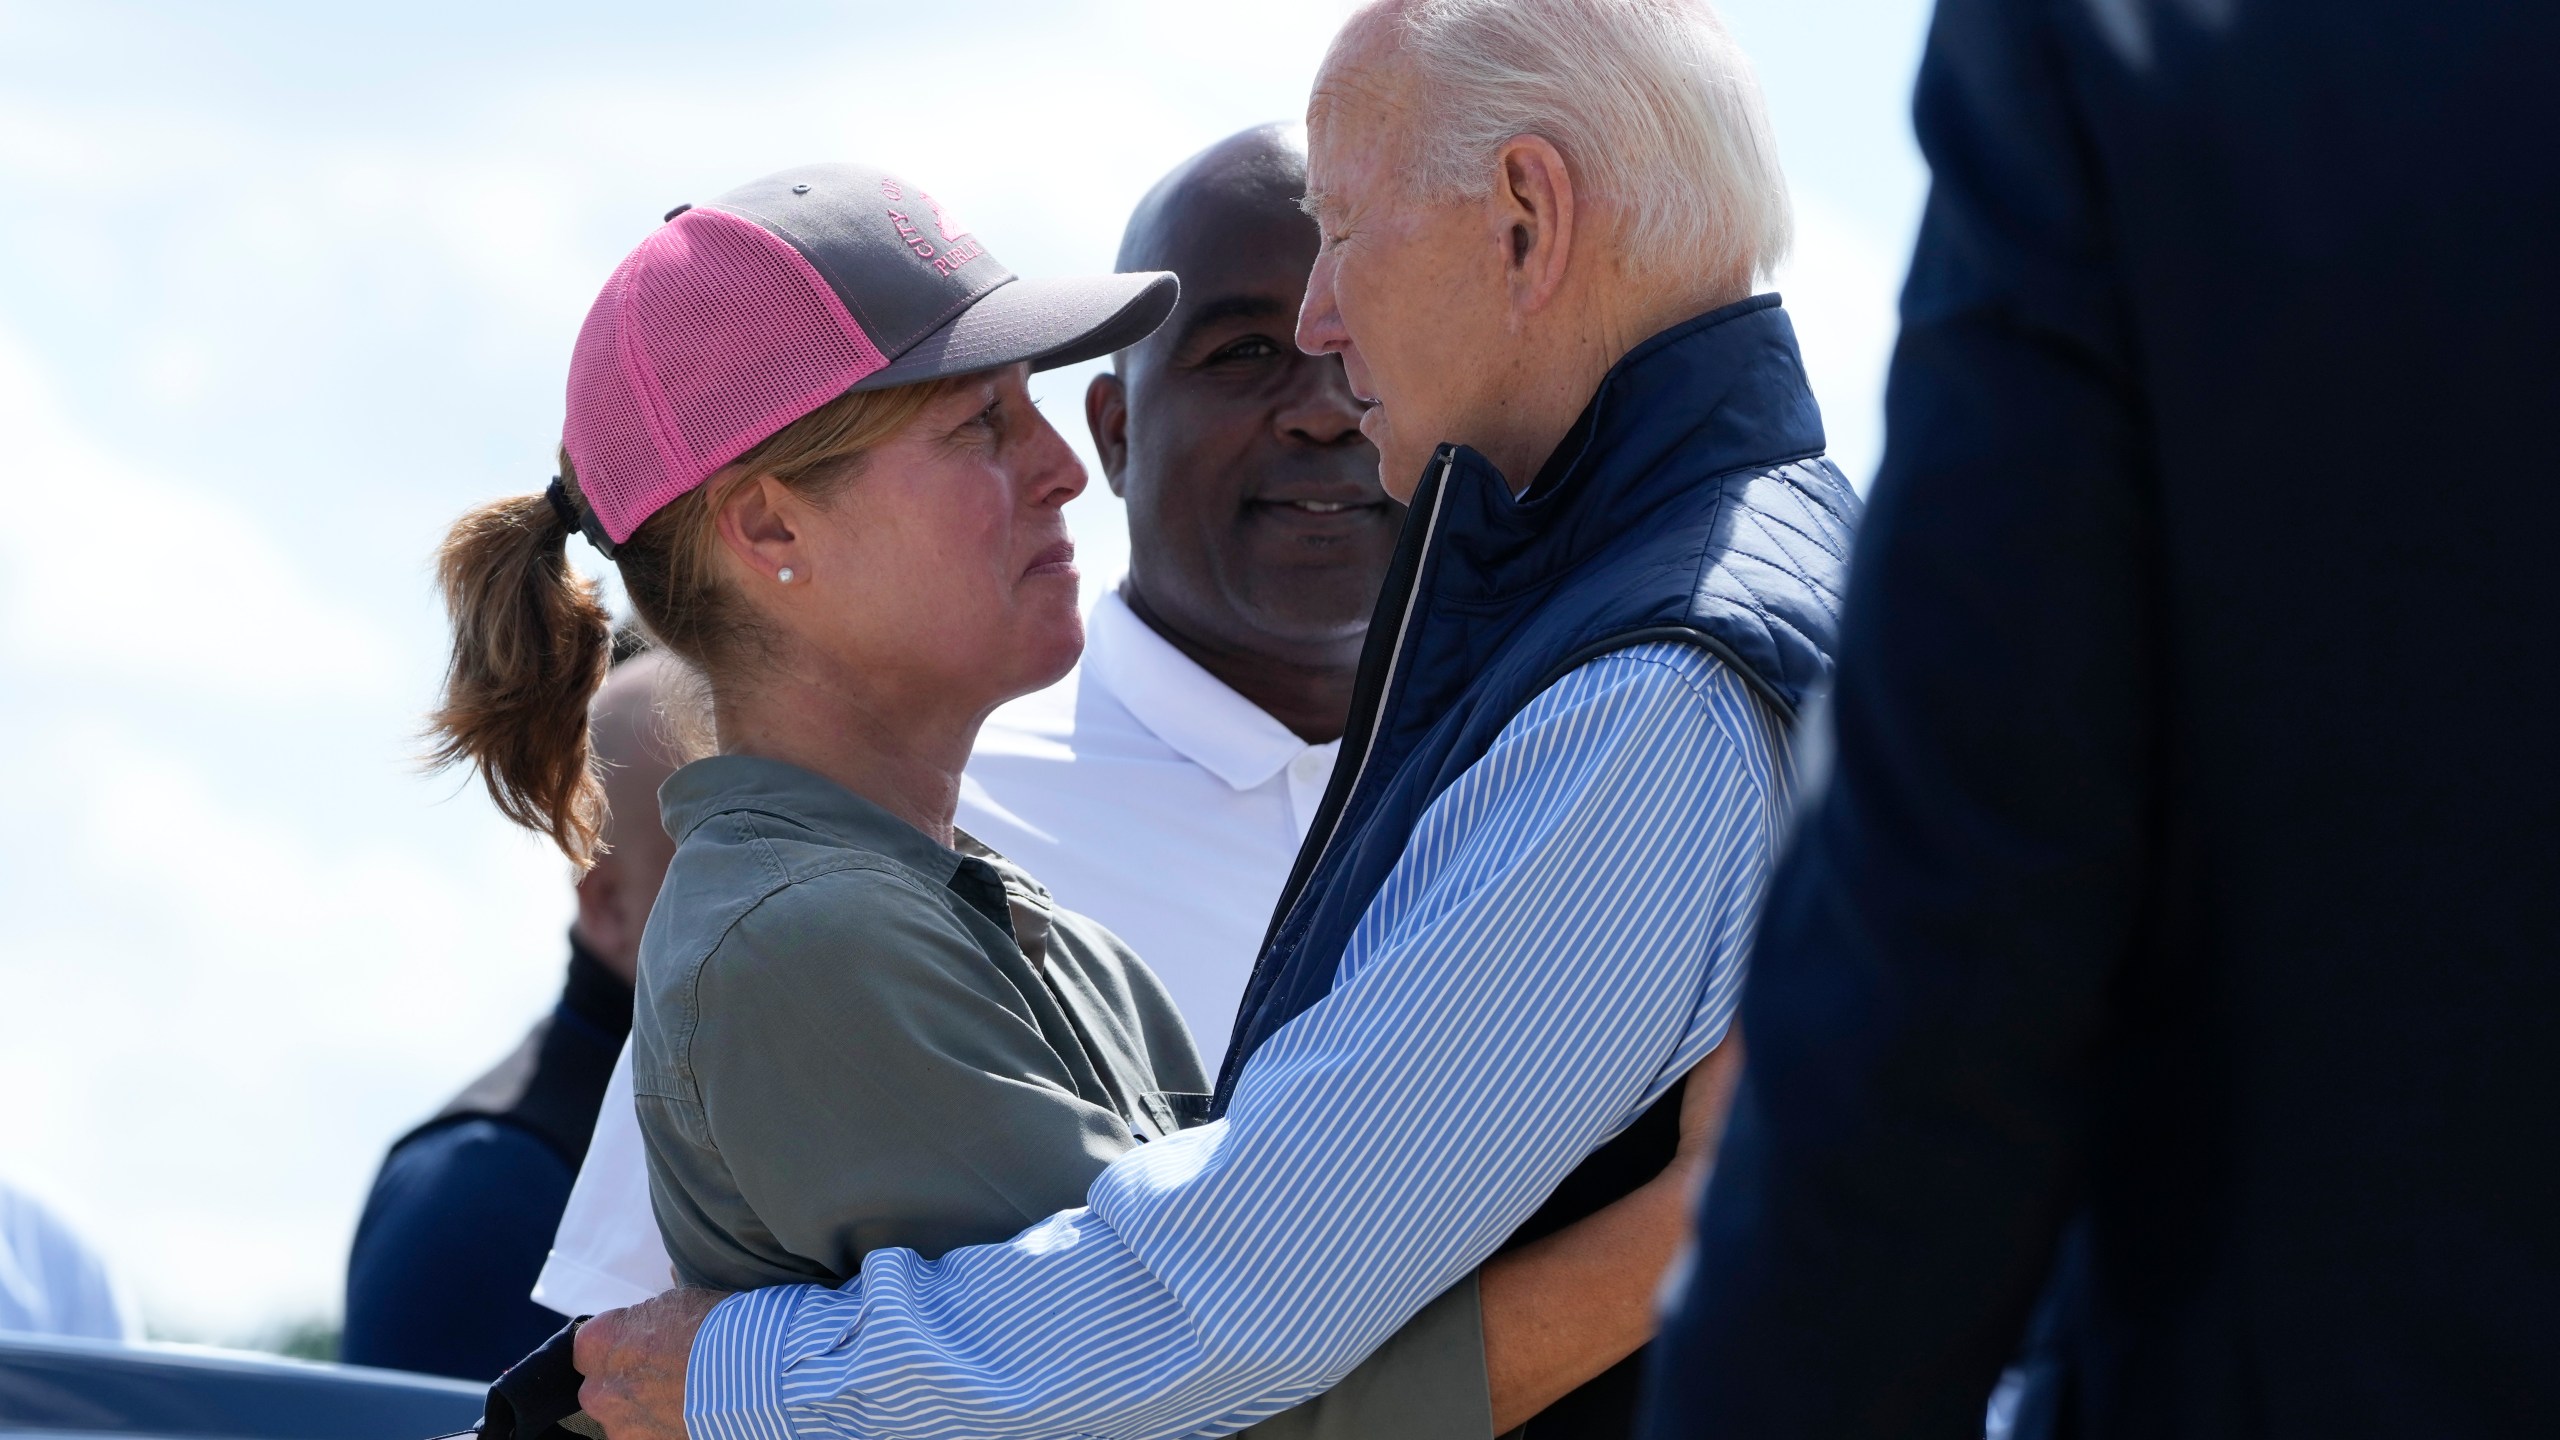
1409, 292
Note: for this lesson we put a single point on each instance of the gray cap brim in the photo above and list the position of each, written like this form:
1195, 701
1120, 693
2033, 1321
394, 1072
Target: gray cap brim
1047, 322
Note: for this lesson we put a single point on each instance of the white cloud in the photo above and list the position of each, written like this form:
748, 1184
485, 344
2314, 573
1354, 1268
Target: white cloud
241, 946
240, 1008
176, 370
108, 570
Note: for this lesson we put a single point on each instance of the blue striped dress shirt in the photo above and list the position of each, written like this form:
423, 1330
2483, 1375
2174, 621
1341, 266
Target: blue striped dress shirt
1563, 938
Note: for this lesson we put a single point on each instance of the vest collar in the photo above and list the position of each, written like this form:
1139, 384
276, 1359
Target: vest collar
1720, 392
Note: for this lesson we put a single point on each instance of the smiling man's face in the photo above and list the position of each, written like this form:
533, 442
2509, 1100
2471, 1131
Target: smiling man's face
1256, 522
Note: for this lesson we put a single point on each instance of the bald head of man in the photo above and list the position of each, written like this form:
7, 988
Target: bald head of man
1258, 532
637, 750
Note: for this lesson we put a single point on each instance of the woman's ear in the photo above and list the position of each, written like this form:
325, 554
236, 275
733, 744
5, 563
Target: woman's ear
759, 523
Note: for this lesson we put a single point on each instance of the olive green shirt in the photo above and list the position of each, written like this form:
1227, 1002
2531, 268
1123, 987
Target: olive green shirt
848, 1037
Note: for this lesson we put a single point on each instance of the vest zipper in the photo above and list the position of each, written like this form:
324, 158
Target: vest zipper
1331, 816
1431, 495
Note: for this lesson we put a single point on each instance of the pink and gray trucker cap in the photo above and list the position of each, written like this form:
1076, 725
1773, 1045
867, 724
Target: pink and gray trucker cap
741, 315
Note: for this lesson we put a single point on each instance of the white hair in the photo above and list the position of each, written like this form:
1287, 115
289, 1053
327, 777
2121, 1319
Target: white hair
1654, 106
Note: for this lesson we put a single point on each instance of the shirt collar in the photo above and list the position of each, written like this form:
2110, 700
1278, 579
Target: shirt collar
727, 783
1182, 704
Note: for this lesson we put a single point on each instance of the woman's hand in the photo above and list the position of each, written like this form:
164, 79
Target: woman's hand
634, 1364
1560, 1310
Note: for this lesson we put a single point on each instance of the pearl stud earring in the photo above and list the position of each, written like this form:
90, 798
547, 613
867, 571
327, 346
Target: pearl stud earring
783, 575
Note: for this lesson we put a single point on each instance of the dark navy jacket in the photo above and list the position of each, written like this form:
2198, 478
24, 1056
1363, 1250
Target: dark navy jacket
1689, 503
2191, 864
461, 1217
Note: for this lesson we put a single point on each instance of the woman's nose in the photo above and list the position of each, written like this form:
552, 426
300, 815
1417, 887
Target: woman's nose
1056, 476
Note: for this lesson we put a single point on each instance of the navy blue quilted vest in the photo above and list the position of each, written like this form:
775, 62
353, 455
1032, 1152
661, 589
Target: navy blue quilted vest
1689, 503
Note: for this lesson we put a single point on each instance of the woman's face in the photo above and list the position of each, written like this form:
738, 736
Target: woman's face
941, 578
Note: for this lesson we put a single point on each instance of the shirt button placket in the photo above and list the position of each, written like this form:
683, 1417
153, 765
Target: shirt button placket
1306, 788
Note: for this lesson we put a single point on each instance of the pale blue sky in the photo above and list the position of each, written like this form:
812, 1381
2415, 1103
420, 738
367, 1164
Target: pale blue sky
284, 288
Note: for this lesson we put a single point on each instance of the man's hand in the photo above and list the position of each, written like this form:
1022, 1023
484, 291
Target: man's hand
634, 1362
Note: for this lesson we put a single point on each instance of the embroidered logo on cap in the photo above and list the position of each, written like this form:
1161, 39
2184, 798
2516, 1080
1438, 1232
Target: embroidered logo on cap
958, 247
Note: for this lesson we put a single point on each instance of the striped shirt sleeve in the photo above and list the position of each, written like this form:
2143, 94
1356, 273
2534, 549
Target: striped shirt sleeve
1563, 938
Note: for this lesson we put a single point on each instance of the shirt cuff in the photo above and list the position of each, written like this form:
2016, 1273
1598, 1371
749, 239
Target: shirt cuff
733, 1380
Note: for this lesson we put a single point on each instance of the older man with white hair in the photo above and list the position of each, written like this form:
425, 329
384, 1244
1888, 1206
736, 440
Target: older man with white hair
1521, 915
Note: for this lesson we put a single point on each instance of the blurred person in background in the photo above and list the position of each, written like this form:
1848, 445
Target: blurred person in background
51, 1281
859, 1030
2178, 933
1163, 787
463, 1210
1521, 916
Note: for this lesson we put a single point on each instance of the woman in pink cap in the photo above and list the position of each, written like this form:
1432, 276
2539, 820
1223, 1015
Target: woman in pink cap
799, 425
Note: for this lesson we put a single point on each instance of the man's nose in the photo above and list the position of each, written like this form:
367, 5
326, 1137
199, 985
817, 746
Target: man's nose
1320, 330
1320, 409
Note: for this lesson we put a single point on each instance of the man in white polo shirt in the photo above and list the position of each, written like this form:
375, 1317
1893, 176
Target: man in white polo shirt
1162, 788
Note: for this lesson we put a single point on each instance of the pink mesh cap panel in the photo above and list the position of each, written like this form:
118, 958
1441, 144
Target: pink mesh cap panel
608, 434
711, 336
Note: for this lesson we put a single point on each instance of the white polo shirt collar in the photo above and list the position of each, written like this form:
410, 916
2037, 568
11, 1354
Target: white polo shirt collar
1184, 705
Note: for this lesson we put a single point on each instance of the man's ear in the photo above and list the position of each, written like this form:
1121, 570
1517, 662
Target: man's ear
1535, 205
1106, 414
601, 922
